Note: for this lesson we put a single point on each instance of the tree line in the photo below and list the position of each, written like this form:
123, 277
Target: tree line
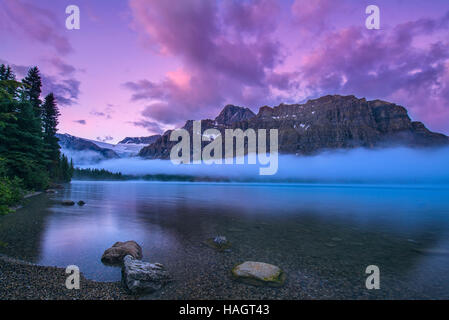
98, 174
30, 157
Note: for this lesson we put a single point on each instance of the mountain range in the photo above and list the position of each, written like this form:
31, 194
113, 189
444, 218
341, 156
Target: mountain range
326, 123
86, 151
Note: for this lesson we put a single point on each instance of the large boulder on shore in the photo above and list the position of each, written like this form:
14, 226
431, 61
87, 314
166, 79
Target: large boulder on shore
259, 273
143, 277
119, 250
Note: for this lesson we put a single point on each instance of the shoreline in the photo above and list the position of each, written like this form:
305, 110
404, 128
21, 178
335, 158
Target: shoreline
29, 195
22, 280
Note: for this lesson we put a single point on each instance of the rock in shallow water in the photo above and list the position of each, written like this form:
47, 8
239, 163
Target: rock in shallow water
220, 240
119, 250
259, 273
221, 243
143, 277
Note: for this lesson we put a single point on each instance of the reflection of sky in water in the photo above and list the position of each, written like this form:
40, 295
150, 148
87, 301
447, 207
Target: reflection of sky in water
168, 219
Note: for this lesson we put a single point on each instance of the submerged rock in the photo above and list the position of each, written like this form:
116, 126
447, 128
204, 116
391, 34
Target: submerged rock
143, 277
52, 191
81, 203
219, 242
68, 203
119, 250
259, 273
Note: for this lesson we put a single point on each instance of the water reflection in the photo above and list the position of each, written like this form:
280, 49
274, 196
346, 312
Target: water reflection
320, 232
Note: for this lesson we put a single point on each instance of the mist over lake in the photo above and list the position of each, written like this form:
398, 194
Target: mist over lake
392, 165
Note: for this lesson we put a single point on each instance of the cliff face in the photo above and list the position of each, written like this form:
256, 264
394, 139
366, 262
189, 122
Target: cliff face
330, 122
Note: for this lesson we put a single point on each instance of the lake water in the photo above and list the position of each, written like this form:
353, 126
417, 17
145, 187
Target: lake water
322, 236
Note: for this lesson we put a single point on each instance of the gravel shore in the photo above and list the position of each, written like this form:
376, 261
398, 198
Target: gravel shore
20, 279
25, 281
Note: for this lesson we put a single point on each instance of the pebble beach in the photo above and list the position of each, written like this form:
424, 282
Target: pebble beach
25, 281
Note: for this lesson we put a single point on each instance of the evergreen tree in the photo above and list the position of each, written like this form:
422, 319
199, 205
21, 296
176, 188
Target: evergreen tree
2, 72
66, 170
33, 89
8, 79
6, 73
50, 114
72, 168
21, 143
29, 150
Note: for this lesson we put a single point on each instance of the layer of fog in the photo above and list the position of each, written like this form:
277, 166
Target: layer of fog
84, 157
396, 165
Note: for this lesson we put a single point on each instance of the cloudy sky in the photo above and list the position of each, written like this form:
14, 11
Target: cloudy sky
138, 67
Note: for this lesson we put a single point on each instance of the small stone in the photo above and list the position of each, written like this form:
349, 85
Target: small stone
259, 273
81, 203
219, 242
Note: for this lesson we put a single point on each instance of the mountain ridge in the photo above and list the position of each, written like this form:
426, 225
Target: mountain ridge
140, 140
328, 122
70, 144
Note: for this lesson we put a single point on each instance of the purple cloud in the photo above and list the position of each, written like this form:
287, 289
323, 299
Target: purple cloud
100, 114
38, 24
151, 126
83, 122
225, 57
66, 91
63, 68
388, 65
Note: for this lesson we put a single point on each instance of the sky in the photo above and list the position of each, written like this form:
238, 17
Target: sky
140, 67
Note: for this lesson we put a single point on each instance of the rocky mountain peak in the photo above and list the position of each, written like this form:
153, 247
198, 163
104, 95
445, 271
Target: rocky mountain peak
140, 140
232, 113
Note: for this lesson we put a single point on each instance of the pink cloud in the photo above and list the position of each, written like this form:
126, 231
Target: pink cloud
226, 55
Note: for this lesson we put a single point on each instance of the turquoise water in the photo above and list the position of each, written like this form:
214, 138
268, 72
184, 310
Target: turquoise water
323, 236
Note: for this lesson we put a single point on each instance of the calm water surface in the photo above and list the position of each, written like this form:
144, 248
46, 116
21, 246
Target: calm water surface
323, 236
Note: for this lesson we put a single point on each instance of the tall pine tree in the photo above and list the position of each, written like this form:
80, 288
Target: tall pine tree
50, 114
33, 89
